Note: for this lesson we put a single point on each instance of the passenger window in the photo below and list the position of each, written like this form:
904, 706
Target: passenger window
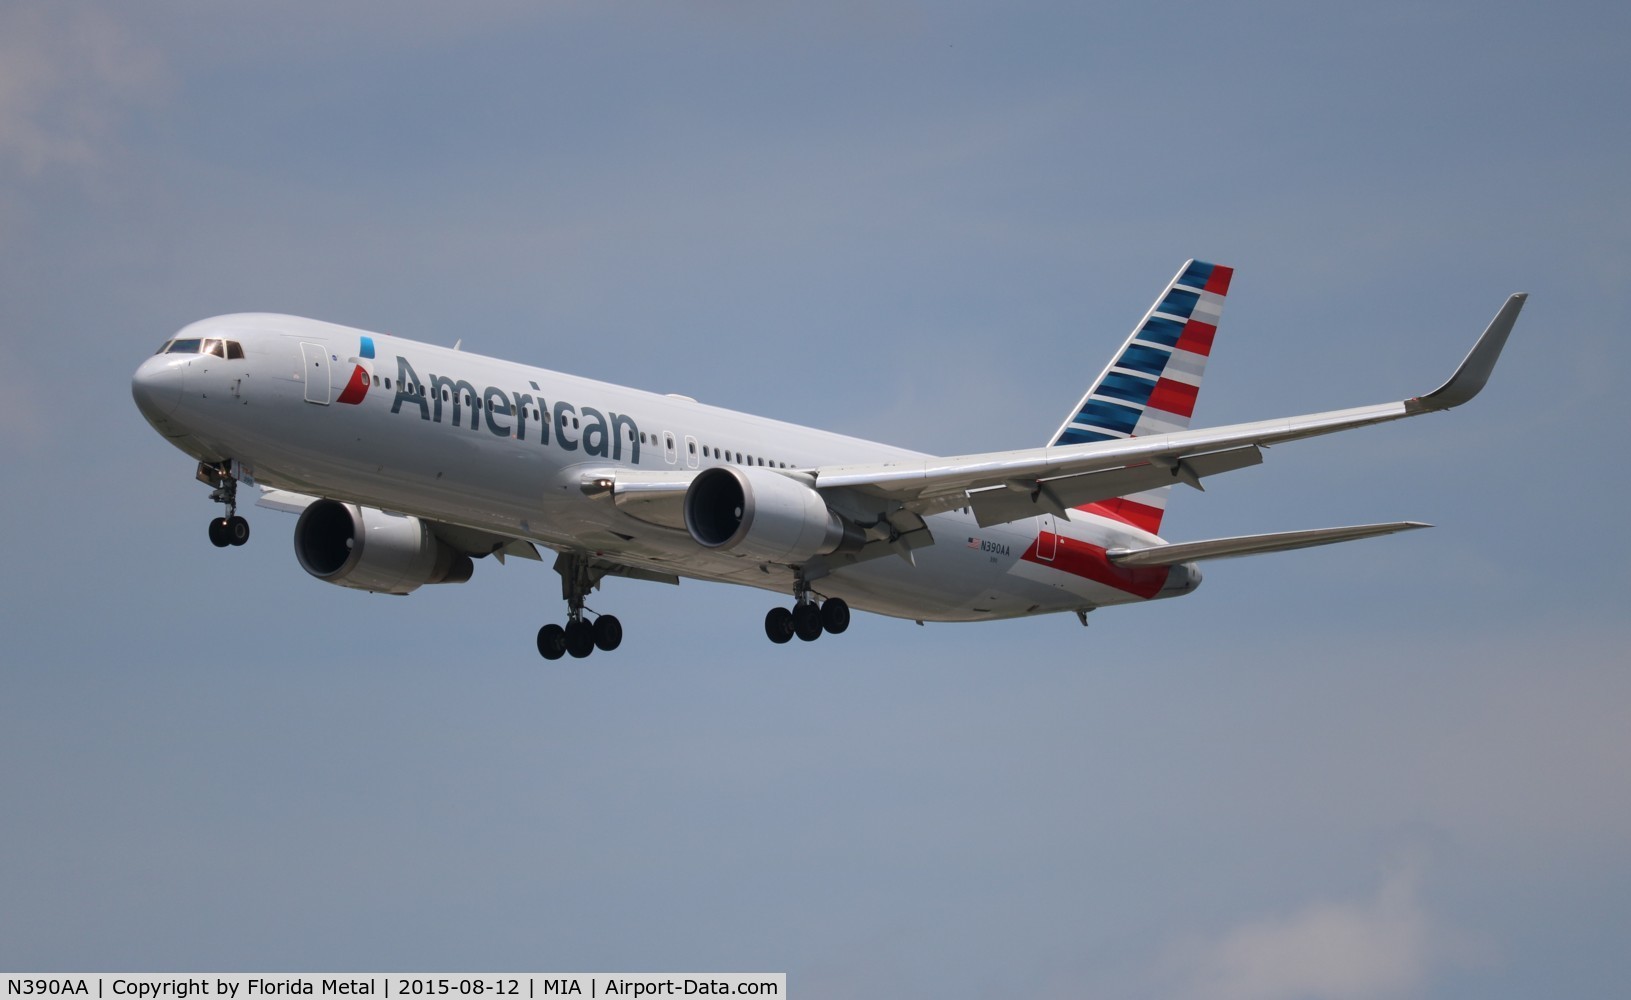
387, 383
693, 447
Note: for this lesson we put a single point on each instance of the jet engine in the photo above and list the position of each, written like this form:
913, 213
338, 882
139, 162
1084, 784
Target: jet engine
369, 549
763, 515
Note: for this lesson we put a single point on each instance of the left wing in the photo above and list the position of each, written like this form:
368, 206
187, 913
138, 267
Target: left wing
1008, 485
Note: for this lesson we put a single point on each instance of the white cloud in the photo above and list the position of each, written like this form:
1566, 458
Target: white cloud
1387, 946
65, 77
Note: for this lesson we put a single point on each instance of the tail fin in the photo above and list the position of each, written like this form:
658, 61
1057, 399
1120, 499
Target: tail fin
1151, 385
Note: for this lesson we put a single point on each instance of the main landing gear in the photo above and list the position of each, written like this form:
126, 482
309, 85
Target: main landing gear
231, 529
579, 636
806, 619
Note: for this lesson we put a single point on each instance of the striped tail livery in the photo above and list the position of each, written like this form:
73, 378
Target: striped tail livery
1151, 385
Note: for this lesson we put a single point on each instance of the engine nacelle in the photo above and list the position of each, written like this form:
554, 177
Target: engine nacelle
763, 515
368, 549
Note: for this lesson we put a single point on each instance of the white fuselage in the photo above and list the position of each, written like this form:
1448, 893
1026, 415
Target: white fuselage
503, 448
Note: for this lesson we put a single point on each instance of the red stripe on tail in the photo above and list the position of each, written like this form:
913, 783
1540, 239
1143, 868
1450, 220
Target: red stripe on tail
1196, 338
1139, 515
1174, 397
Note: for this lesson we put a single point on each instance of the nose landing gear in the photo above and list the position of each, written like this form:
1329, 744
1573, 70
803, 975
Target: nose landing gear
231, 529
225, 531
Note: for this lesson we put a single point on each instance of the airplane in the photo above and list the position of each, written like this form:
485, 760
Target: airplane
407, 461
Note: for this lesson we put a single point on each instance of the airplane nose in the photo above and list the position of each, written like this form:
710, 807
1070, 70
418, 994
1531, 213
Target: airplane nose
156, 388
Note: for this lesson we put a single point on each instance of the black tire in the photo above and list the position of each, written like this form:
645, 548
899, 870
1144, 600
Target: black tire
552, 642
218, 533
807, 621
580, 638
834, 615
608, 633
237, 530
779, 625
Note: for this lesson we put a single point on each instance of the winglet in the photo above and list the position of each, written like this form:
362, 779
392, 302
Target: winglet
1476, 367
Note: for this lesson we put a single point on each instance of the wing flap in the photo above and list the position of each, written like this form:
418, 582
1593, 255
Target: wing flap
937, 477
1247, 545
1055, 495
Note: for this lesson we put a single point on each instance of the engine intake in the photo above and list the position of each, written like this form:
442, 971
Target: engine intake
763, 515
368, 549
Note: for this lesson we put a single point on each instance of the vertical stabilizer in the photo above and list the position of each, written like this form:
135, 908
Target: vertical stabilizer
1151, 385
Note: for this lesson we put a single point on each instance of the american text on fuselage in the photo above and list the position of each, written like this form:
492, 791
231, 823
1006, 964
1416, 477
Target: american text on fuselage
506, 414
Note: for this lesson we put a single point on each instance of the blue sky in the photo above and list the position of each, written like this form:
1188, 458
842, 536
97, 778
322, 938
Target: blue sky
1392, 769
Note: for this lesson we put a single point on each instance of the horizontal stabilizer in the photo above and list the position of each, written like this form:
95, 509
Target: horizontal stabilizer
1247, 545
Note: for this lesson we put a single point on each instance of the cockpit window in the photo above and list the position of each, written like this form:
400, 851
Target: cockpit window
229, 349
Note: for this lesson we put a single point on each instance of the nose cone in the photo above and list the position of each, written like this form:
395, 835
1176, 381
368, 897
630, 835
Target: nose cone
156, 387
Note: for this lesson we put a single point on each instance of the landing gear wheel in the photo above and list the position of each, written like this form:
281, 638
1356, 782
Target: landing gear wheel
552, 642
834, 615
237, 530
608, 633
218, 533
779, 625
807, 622
580, 638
